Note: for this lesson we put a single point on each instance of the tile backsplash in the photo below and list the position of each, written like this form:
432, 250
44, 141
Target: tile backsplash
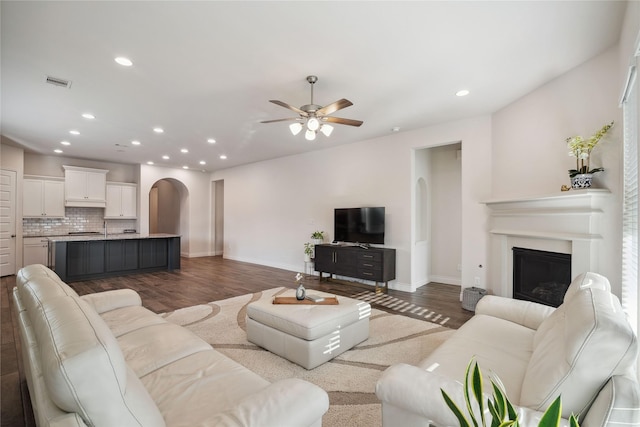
76, 219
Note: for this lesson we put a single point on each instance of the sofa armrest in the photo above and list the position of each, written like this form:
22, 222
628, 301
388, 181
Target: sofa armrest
418, 391
290, 402
525, 313
111, 300
617, 403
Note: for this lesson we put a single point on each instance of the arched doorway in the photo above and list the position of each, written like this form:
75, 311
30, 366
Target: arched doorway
168, 208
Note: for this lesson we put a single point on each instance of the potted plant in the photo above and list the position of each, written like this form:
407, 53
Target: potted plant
317, 237
501, 410
308, 251
581, 148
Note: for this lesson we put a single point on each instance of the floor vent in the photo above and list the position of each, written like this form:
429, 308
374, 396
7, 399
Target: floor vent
58, 82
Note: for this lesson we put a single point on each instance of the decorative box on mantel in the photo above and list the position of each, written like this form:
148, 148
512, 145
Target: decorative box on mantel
567, 222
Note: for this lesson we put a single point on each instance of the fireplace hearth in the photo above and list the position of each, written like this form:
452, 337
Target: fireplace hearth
540, 276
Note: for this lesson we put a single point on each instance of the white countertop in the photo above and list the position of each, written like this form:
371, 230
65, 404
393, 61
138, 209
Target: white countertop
122, 236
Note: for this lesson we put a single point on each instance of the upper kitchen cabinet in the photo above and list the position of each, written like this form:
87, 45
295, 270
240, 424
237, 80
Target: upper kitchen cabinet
85, 187
121, 201
43, 198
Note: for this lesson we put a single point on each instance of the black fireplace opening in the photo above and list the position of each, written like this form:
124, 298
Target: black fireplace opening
540, 276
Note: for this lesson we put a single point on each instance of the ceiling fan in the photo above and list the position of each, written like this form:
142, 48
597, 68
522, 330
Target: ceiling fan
315, 117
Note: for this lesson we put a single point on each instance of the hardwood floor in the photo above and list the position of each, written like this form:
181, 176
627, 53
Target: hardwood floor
200, 280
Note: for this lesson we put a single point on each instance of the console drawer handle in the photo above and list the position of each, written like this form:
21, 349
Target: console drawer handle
368, 265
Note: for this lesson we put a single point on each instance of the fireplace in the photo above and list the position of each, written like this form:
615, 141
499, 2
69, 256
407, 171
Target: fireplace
541, 276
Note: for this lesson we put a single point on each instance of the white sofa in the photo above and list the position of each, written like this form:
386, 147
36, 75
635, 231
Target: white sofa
104, 360
585, 351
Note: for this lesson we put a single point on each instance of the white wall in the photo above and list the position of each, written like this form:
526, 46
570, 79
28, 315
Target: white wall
530, 157
272, 207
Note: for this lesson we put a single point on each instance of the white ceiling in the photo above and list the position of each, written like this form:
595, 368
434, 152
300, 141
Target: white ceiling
207, 69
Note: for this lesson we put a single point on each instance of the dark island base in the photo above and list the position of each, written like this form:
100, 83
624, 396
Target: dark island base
94, 259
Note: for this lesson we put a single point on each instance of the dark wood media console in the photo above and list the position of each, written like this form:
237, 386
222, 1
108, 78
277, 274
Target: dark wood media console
375, 264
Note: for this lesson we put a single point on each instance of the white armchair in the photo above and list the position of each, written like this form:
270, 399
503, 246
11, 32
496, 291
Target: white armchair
585, 351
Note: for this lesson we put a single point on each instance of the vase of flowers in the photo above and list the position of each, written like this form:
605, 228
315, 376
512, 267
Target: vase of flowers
581, 148
301, 292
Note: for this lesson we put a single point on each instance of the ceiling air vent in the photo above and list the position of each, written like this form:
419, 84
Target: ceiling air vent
58, 82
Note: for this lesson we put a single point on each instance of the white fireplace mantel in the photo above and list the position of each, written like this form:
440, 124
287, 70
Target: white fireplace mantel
567, 222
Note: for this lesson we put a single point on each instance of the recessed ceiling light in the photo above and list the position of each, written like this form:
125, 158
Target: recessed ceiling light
223, 157
185, 167
202, 162
126, 62
57, 150
149, 163
74, 132
158, 130
395, 129
88, 116
135, 142
463, 92
165, 157
211, 141
184, 150
65, 143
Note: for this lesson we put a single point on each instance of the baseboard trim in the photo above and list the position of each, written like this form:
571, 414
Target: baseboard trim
447, 280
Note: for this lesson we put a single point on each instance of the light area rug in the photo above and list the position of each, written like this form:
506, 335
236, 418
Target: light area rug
349, 379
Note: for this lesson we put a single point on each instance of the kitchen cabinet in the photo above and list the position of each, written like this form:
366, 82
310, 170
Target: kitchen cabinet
35, 250
153, 253
121, 201
85, 258
85, 187
122, 255
43, 198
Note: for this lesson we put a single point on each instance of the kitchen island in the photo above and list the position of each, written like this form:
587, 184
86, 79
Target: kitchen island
82, 257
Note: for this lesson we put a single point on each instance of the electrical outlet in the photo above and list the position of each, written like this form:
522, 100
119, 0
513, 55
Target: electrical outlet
476, 281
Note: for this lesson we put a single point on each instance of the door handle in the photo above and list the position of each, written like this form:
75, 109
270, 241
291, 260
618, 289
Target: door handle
13, 235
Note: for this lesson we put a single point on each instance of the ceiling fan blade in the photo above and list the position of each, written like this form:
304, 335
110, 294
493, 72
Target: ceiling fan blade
290, 107
341, 121
280, 120
335, 106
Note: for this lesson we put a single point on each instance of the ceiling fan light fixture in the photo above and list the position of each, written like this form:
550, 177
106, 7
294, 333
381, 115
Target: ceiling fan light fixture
326, 129
313, 124
295, 128
310, 135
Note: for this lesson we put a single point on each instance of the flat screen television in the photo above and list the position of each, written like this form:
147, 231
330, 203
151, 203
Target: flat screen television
359, 225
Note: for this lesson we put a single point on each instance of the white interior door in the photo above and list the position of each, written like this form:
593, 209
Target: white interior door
7, 222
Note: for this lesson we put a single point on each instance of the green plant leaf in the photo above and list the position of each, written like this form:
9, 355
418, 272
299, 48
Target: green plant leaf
467, 388
573, 421
551, 417
500, 401
477, 390
462, 420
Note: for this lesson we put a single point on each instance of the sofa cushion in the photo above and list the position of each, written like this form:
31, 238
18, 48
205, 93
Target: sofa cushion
501, 349
576, 350
194, 388
588, 280
155, 346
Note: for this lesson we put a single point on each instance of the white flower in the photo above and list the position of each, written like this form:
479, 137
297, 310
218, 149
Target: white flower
299, 277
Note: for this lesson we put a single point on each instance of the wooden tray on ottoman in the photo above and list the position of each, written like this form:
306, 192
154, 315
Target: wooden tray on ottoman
292, 300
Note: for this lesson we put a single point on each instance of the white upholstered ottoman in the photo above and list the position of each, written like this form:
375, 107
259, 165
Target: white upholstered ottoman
308, 335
